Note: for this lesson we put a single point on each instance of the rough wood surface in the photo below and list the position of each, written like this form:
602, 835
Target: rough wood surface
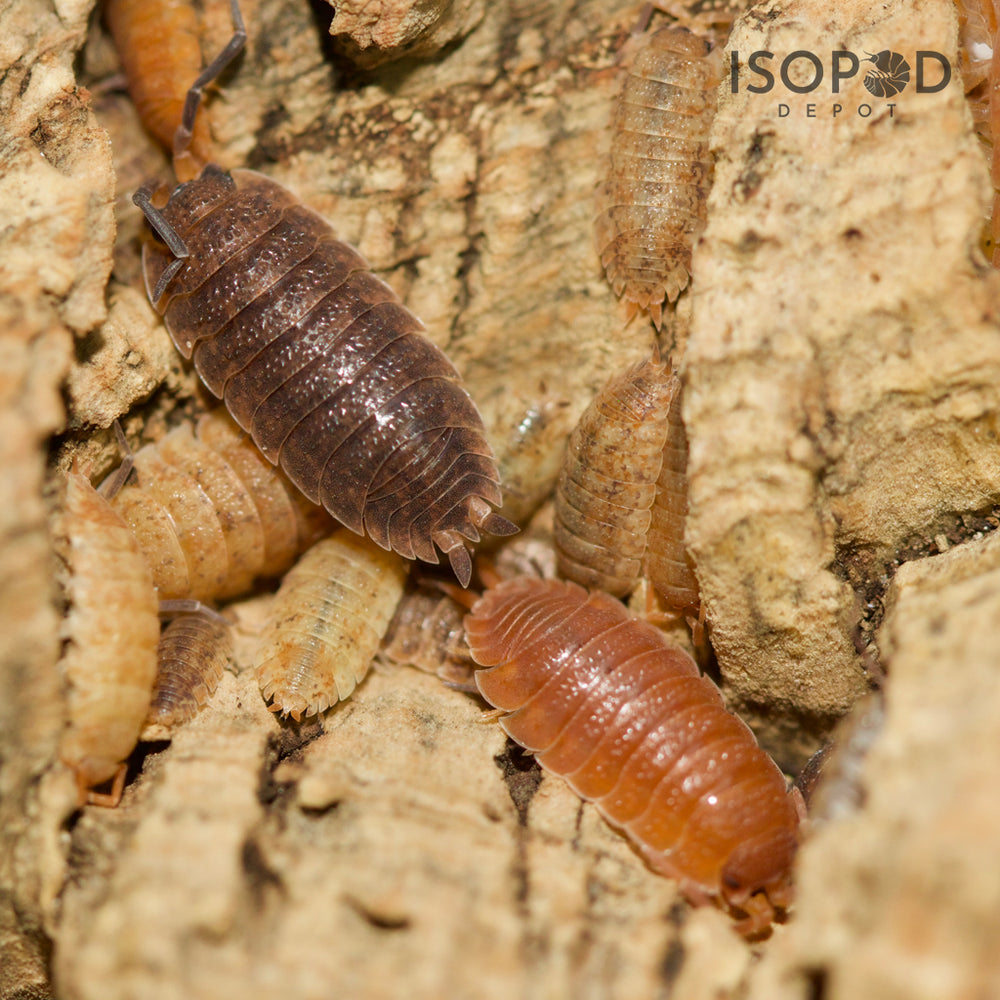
841, 399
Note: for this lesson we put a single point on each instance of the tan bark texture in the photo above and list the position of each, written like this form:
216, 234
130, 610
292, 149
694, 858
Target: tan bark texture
841, 382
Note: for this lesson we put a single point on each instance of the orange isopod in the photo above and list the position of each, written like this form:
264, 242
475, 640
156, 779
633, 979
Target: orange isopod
607, 704
652, 204
157, 41
211, 515
112, 628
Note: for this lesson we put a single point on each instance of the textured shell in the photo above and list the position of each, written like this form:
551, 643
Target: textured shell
321, 363
157, 42
210, 515
979, 56
110, 659
608, 480
607, 704
426, 632
329, 616
652, 205
191, 656
667, 562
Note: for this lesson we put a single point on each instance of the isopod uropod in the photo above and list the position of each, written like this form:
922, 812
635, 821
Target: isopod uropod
608, 481
652, 204
329, 616
210, 515
110, 658
604, 702
319, 361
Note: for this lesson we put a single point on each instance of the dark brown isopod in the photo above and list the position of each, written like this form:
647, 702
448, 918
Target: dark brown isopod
652, 205
191, 656
608, 481
606, 703
320, 362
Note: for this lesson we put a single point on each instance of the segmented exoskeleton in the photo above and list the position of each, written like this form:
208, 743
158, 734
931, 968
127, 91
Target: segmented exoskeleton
318, 360
328, 618
608, 481
667, 562
191, 656
603, 701
652, 204
157, 42
211, 515
979, 54
112, 629
426, 632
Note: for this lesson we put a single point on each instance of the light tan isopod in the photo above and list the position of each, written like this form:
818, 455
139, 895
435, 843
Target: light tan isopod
191, 656
667, 562
112, 627
426, 632
211, 515
329, 616
608, 480
652, 205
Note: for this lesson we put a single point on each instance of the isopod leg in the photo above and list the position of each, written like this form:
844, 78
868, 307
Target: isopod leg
760, 916
112, 486
109, 800
185, 131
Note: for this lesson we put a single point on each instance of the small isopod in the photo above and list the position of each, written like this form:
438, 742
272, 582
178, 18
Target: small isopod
211, 515
329, 616
652, 205
426, 632
112, 627
319, 361
608, 481
191, 656
157, 41
667, 562
605, 702
979, 55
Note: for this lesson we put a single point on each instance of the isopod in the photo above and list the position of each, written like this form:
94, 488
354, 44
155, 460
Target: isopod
329, 616
112, 627
210, 515
157, 41
607, 485
320, 362
652, 204
667, 562
607, 704
426, 632
979, 54
191, 656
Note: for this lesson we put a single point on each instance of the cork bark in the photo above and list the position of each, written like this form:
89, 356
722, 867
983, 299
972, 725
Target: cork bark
841, 396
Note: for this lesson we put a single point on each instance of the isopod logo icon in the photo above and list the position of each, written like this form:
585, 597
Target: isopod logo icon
890, 75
